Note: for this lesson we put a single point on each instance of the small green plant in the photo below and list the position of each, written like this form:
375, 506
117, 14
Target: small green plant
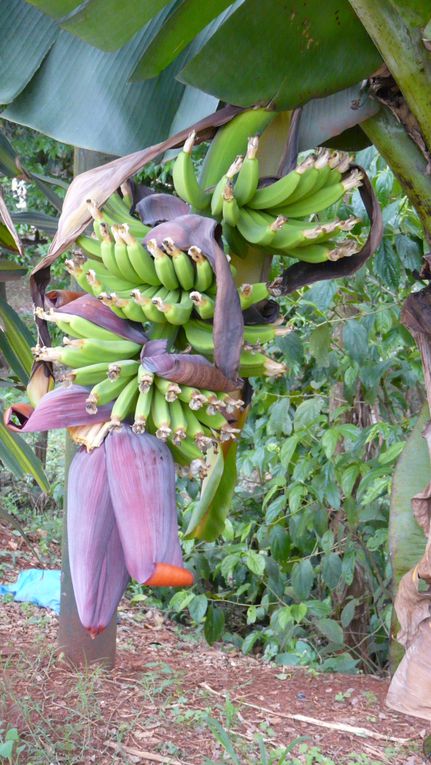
10, 749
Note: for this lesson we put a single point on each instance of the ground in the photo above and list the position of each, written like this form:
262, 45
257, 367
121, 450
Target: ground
162, 701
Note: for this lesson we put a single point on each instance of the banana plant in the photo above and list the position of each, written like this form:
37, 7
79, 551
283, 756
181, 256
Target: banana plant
373, 88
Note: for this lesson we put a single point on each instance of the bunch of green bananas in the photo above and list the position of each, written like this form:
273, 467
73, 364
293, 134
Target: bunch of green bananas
268, 217
188, 418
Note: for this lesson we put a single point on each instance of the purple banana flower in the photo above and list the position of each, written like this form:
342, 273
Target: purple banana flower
121, 521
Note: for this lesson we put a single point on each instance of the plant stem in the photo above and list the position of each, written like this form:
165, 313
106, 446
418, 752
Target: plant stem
396, 31
74, 642
404, 159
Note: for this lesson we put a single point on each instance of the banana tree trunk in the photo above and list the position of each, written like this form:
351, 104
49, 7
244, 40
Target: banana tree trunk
76, 645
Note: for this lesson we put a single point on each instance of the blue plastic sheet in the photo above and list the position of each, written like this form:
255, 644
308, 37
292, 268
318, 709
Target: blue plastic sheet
41, 587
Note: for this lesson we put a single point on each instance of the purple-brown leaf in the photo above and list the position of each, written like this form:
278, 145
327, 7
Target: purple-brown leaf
61, 408
188, 369
158, 208
88, 307
205, 233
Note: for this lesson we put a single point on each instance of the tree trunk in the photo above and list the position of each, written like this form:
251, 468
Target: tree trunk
74, 642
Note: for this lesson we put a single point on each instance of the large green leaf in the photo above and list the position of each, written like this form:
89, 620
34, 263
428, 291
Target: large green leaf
7, 351
42, 221
56, 8
17, 334
27, 36
283, 52
183, 24
96, 107
19, 458
109, 24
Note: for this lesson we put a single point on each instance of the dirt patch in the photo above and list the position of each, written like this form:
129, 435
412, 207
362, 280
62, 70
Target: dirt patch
168, 685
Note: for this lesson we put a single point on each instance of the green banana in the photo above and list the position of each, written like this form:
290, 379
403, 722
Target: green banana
249, 294
87, 329
183, 265
230, 141
125, 403
115, 212
200, 336
104, 281
192, 396
164, 331
197, 431
214, 421
231, 210
187, 453
124, 368
163, 265
142, 410
121, 256
255, 364
175, 313
160, 415
185, 182
129, 307
280, 191
107, 251
103, 393
69, 357
323, 198
139, 258
88, 375
96, 215
111, 300
248, 177
203, 305
204, 273
90, 244
313, 178
145, 379
178, 422
144, 300
261, 234
104, 350
168, 389
79, 274
217, 195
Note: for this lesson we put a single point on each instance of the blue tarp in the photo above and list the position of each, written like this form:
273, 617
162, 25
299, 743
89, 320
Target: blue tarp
41, 587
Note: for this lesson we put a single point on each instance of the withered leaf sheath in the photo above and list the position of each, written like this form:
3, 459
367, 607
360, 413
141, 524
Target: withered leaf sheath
141, 477
185, 368
97, 565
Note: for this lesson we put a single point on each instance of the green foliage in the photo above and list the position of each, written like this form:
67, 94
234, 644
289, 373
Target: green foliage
301, 573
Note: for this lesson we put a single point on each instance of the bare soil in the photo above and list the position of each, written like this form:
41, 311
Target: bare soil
154, 706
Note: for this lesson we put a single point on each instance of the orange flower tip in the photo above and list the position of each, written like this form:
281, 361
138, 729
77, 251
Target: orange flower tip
179, 436
95, 631
196, 253
203, 442
166, 575
245, 289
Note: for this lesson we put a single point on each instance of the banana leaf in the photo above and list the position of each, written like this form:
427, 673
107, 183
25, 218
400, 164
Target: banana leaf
18, 457
283, 53
18, 336
96, 85
10, 271
406, 538
7, 351
46, 223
